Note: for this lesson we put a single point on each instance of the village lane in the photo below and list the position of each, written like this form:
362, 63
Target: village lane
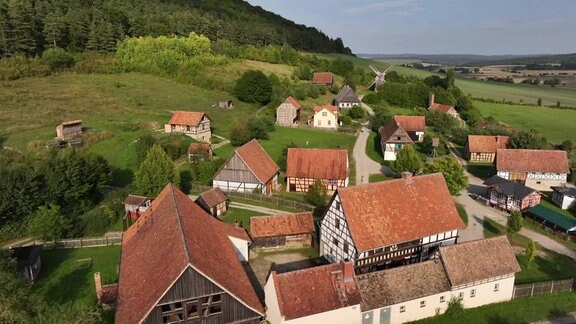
365, 166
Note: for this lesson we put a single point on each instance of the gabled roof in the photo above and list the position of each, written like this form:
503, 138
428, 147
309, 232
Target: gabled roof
213, 197
317, 163
347, 94
393, 129
396, 211
71, 122
440, 107
475, 261
136, 200
187, 118
314, 290
259, 162
411, 123
401, 284
322, 78
565, 191
555, 161
173, 235
294, 102
330, 108
199, 148
280, 225
509, 188
486, 143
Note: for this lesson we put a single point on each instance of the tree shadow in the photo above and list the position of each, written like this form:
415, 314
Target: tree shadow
558, 313
186, 181
122, 177
499, 319
489, 226
377, 147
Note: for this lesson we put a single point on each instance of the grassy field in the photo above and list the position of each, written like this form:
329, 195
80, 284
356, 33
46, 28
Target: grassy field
373, 149
378, 177
242, 215
556, 125
462, 213
60, 282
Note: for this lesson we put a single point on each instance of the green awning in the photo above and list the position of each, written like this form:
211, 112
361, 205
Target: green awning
566, 223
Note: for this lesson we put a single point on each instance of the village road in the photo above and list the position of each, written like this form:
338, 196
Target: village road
365, 166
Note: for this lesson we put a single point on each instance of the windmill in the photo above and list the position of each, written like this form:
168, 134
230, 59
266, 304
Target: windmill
379, 79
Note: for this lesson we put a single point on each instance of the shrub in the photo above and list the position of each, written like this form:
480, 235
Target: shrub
455, 306
240, 134
57, 59
316, 194
514, 224
356, 112
253, 86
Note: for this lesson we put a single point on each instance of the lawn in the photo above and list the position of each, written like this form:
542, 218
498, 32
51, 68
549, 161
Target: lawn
556, 125
462, 213
378, 177
373, 149
521, 310
481, 170
60, 282
242, 215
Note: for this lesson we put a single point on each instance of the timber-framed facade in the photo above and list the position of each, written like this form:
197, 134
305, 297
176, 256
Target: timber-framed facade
305, 167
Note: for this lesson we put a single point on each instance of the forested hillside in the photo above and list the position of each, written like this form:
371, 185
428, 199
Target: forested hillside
31, 26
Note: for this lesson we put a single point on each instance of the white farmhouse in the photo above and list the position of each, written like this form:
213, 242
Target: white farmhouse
325, 117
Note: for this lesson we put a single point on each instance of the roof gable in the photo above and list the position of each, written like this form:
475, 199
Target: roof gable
347, 94
486, 143
213, 197
71, 122
554, 161
394, 133
330, 108
411, 123
509, 188
191, 118
441, 107
317, 163
279, 225
293, 102
258, 161
395, 211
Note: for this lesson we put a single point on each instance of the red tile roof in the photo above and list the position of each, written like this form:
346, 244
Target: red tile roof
392, 212
314, 290
486, 143
71, 122
330, 108
532, 160
280, 225
479, 260
213, 197
440, 107
171, 236
186, 118
411, 123
322, 78
294, 102
317, 163
135, 200
259, 162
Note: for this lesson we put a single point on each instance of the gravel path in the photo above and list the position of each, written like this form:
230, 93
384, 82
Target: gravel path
365, 166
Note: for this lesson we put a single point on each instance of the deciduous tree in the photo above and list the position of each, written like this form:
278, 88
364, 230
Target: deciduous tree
48, 224
452, 171
253, 86
407, 160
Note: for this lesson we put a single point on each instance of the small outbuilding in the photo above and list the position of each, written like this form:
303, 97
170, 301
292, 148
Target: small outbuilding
323, 78
226, 104
200, 152
564, 196
560, 224
28, 261
511, 196
291, 230
288, 113
195, 124
213, 201
69, 129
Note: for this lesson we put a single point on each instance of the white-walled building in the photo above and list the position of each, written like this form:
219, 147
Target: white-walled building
565, 197
325, 117
195, 124
400, 131
346, 98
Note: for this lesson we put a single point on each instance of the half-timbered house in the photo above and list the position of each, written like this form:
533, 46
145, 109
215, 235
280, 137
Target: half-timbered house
249, 169
392, 138
413, 125
288, 113
346, 98
69, 129
195, 124
288, 230
564, 197
511, 196
165, 274
483, 148
304, 167
213, 201
390, 223
538, 169
200, 152
323, 78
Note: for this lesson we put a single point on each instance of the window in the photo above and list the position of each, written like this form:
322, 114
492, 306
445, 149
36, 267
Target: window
324, 114
496, 287
402, 309
442, 299
319, 123
179, 312
422, 303
337, 223
329, 122
473, 293
345, 247
335, 241
338, 205
461, 296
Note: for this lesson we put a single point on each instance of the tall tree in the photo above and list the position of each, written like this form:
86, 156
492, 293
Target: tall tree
527, 140
407, 160
514, 224
156, 172
453, 173
22, 20
48, 224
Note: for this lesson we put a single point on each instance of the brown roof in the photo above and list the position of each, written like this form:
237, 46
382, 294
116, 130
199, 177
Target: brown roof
213, 197
347, 94
186, 118
393, 128
440, 107
395, 211
398, 285
330, 108
259, 162
479, 260
411, 123
280, 225
317, 163
322, 78
173, 235
135, 200
71, 122
314, 290
486, 143
199, 148
294, 102
532, 160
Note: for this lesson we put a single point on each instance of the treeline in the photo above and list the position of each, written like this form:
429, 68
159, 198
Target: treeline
32, 26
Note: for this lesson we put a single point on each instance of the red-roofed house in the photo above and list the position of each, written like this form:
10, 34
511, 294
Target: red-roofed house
323, 78
305, 166
385, 224
324, 294
538, 169
325, 117
249, 168
180, 264
482, 148
290, 230
392, 138
288, 113
213, 201
442, 108
413, 125
192, 123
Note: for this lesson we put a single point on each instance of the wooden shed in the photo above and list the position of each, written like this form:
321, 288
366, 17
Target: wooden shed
213, 201
28, 261
290, 230
69, 129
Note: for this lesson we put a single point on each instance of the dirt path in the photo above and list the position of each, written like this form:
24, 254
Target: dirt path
365, 166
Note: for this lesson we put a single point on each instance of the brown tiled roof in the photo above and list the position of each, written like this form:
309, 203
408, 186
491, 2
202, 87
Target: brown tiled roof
186, 118
478, 260
312, 291
393, 127
398, 285
532, 160
294, 102
199, 148
213, 197
71, 122
259, 162
280, 225
440, 107
486, 143
322, 78
171, 236
135, 200
330, 108
411, 123
317, 163
391, 212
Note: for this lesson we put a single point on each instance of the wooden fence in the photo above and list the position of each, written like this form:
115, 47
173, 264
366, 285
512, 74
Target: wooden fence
82, 242
542, 288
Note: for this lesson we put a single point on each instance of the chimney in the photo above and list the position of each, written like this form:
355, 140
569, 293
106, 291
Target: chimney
407, 176
98, 284
348, 271
431, 99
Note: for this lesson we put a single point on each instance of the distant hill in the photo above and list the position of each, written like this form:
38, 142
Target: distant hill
444, 59
561, 61
31, 26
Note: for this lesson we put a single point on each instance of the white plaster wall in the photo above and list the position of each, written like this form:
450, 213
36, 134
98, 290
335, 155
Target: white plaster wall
271, 299
346, 315
322, 121
235, 186
241, 248
544, 185
389, 156
504, 174
568, 202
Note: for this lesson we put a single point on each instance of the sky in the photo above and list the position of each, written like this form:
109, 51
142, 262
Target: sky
486, 27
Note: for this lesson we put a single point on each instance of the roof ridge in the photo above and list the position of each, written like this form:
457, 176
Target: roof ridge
177, 214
